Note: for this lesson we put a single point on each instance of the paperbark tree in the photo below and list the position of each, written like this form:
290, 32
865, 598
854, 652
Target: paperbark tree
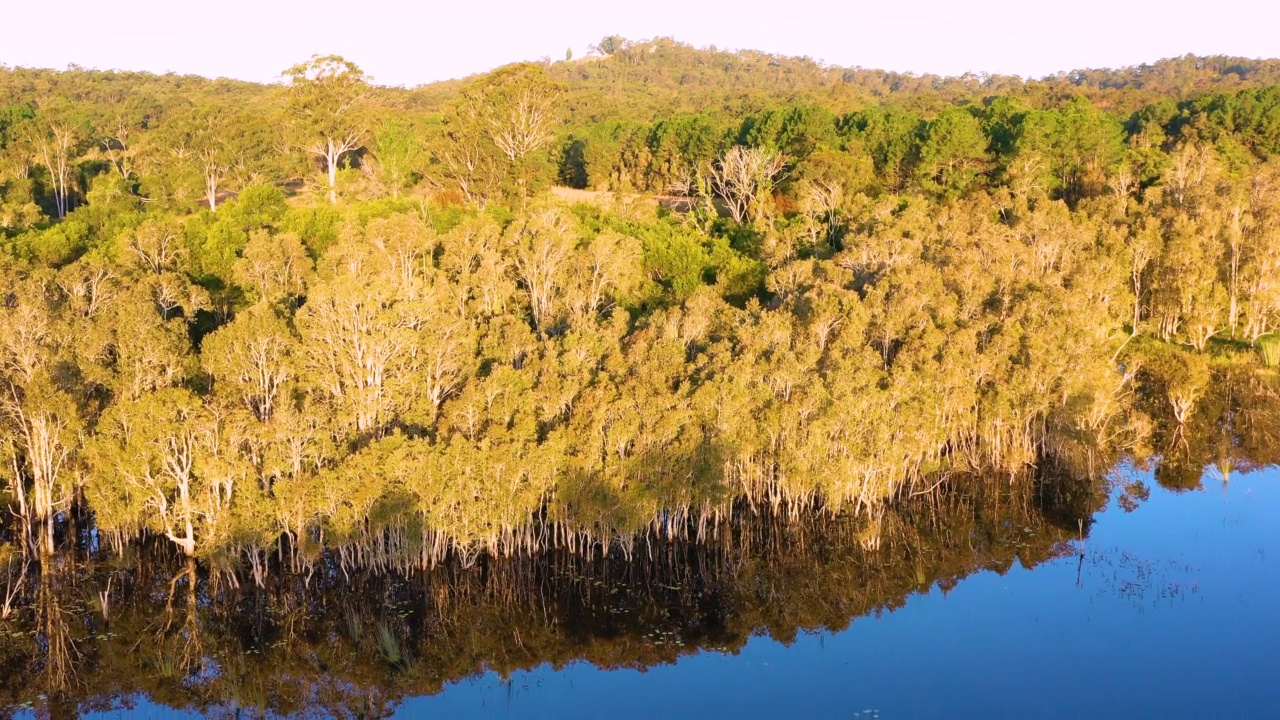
356, 350
151, 445
39, 420
542, 244
42, 425
277, 267
251, 360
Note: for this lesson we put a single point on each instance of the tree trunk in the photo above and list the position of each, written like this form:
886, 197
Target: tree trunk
331, 158
1137, 303
46, 538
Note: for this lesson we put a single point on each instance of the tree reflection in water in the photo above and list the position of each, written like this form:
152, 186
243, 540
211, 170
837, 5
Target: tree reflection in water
93, 630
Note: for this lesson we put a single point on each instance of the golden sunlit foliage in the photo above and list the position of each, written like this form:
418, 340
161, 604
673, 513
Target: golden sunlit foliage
326, 315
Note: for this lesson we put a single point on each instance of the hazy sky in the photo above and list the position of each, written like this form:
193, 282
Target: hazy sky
409, 43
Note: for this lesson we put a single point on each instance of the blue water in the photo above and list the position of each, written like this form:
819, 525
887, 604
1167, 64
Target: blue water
1174, 612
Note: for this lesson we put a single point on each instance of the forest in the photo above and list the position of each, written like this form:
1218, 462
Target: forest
579, 305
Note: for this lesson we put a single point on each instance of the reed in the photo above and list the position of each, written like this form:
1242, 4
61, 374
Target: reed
1269, 348
389, 645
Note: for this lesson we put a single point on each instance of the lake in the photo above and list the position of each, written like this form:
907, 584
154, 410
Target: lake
1174, 611
988, 606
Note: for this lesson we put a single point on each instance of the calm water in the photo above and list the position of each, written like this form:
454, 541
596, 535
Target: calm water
1173, 611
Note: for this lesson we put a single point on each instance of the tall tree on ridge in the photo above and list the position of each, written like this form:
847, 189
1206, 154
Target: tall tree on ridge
325, 95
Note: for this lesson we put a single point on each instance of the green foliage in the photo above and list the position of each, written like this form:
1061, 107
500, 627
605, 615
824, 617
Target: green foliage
399, 154
261, 206
953, 153
18, 209
679, 260
215, 240
918, 278
1269, 349
55, 246
12, 116
892, 137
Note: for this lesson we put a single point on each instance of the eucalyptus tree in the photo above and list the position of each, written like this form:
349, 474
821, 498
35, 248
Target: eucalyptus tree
57, 137
325, 97
743, 178
216, 148
506, 119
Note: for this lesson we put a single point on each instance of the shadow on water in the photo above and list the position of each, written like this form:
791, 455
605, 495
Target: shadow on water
95, 630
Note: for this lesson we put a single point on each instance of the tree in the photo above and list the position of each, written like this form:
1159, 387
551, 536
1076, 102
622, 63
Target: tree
151, 446
1144, 245
892, 138
470, 158
743, 178
358, 347
41, 428
398, 150
195, 143
611, 44
607, 267
276, 267
57, 143
542, 243
953, 153
1261, 272
325, 96
154, 248
39, 419
250, 360
517, 109
522, 104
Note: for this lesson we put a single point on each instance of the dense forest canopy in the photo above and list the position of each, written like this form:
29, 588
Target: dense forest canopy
276, 324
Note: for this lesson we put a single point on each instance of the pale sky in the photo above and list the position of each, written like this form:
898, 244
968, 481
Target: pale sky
410, 43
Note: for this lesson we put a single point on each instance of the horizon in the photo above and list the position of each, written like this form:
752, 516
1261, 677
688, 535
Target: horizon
247, 42
591, 52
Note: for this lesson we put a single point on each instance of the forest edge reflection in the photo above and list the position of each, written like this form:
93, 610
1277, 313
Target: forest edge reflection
93, 629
